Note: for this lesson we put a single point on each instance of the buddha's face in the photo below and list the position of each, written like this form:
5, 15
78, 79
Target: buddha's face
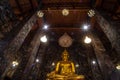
65, 57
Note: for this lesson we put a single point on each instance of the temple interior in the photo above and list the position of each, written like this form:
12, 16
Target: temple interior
59, 39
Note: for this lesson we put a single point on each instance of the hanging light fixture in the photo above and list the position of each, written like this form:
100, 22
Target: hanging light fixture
91, 13
118, 67
65, 40
65, 12
43, 39
40, 14
87, 40
14, 63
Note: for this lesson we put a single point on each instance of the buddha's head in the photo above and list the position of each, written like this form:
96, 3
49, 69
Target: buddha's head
65, 55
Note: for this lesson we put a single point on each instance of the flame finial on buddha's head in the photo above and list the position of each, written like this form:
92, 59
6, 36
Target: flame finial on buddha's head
65, 52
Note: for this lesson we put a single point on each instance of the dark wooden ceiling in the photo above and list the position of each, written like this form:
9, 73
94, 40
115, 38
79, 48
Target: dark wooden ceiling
75, 18
77, 12
78, 8
23, 7
72, 4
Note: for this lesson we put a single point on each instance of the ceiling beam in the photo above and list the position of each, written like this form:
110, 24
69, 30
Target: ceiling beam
64, 28
65, 4
115, 8
118, 13
19, 6
118, 2
102, 2
31, 3
98, 4
92, 3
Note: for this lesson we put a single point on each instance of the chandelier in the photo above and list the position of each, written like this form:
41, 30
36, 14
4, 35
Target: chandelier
65, 40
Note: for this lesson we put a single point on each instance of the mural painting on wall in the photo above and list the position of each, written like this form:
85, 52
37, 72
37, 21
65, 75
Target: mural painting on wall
6, 11
6, 16
18, 40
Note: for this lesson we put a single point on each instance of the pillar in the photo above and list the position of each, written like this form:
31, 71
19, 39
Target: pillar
14, 46
110, 30
105, 64
16, 43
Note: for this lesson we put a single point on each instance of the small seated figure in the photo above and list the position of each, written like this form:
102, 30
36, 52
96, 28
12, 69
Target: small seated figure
65, 70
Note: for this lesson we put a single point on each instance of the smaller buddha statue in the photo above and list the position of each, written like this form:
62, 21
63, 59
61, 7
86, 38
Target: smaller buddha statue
65, 70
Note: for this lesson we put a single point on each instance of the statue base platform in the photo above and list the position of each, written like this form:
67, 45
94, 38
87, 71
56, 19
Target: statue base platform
80, 77
64, 79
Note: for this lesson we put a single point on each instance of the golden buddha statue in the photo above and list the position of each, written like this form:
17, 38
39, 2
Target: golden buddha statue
65, 70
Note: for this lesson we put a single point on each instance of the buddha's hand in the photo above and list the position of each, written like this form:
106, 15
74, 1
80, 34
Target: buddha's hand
51, 74
72, 73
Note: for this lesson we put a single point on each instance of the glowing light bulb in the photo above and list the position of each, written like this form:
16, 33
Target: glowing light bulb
93, 62
53, 64
118, 67
87, 40
85, 27
45, 27
14, 63
43, 39
37, 60
77, 65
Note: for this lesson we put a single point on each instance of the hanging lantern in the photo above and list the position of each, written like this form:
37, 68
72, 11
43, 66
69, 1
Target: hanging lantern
65, 40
